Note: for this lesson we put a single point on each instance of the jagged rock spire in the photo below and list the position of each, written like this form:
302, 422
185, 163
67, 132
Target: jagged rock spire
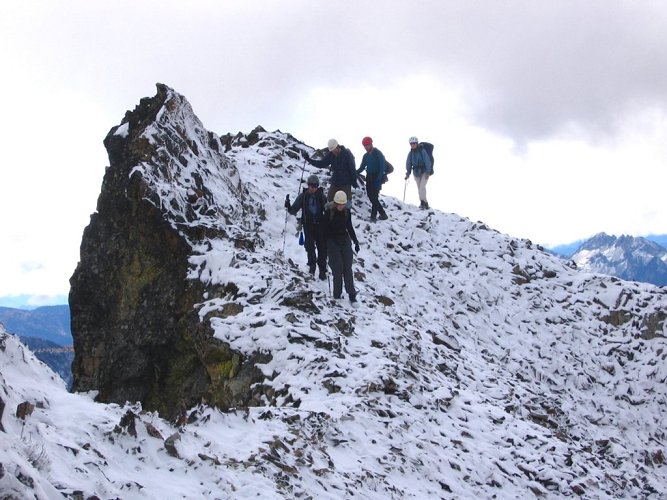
137, 334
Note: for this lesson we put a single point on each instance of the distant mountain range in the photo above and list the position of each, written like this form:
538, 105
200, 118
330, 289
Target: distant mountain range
626, 257
46, 332
567, 250
48, 322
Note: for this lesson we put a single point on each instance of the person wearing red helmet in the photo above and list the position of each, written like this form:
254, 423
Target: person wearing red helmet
375, 165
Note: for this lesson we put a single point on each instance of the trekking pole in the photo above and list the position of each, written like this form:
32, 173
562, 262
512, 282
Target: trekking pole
285, 227
303, 169
285, 230
301, 181
405, 187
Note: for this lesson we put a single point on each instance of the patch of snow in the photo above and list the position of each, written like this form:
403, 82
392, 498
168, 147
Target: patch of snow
123, 130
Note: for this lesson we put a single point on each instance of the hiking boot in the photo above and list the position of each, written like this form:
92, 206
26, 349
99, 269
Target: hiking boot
353, 298
384, 216
323, 275
373, 219
426, 205
311, 270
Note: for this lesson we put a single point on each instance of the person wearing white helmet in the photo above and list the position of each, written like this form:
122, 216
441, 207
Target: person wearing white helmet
342, 165
340, 234
419, 163
311, 202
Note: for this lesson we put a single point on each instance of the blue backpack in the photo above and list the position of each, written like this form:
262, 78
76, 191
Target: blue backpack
429, 150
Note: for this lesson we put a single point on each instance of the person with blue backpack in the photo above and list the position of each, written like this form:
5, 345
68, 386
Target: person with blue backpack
420, 163
375, 165
311, 201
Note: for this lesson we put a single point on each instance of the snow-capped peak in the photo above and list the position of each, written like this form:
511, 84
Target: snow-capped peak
628, 257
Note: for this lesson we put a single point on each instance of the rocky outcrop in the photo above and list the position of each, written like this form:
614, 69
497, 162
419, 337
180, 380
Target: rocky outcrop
135, 325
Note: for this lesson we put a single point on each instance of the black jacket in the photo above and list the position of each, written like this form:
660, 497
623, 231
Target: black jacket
343, 168
338, 224
303, 202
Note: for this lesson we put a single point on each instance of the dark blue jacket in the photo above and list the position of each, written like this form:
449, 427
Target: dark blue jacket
343, 168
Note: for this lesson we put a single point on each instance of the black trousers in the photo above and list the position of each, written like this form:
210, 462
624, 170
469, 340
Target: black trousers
374, 195
340, 262
315, 245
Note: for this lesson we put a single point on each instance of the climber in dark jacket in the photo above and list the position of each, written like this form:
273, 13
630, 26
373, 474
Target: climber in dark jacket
374, 163
339, 233
343, 169
311, 202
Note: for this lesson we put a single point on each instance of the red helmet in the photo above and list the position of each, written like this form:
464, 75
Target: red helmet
366, 141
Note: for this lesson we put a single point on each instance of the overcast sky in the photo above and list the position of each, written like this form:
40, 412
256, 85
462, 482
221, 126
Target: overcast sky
549, 118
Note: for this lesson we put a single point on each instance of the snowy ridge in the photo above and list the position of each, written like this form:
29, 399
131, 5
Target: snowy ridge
473, 312
474, 365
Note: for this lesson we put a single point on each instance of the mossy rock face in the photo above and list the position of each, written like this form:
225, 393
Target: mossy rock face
225, 370
222, 364
135, 323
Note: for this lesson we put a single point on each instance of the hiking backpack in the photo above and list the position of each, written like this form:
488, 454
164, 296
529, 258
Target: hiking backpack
429, 150
388, 169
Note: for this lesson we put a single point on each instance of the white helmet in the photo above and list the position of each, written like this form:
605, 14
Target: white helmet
332, 144
340, 198
413, 140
